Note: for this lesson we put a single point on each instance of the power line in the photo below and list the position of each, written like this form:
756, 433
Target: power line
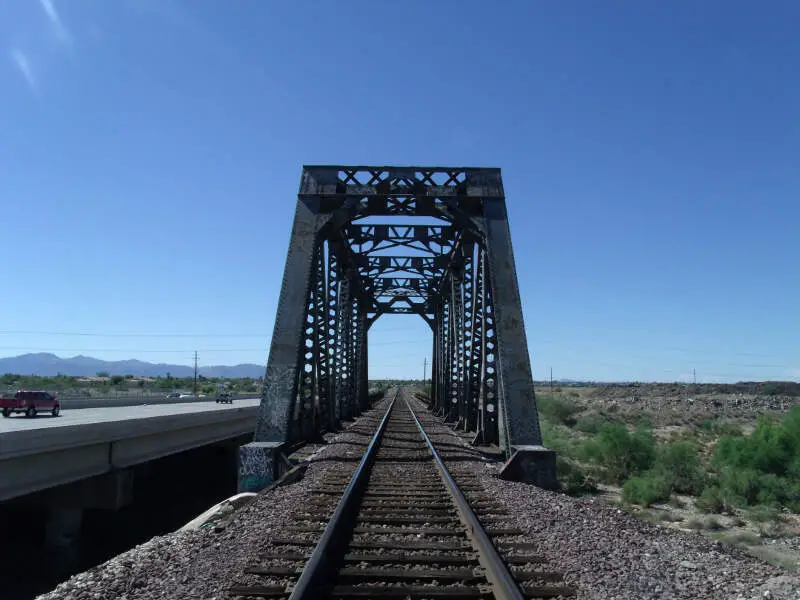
136, 335
149, 350
154, 335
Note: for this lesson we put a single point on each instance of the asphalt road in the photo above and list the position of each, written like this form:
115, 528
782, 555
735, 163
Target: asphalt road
87, 416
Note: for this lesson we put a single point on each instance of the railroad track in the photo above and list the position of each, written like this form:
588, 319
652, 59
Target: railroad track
400, 526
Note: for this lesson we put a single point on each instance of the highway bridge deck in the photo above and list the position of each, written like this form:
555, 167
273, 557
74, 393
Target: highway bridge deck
91, 416
46, 451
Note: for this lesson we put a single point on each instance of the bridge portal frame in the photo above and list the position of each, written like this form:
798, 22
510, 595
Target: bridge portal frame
456, 271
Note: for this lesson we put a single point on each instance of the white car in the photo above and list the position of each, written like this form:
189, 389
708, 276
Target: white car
187, 397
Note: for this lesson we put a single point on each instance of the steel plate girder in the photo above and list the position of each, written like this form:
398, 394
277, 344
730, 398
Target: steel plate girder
280, 381
518, 418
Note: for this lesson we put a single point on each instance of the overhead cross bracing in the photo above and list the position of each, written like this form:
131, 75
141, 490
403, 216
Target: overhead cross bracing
352, 259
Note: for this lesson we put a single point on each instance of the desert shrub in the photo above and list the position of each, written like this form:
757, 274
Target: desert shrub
572, 477
695, 523
676, 502
711, 524
763, 514
712, 500
646, 490
741, 538
555, 438
771, 448
762, 468
721, 427
621, 454
592, 422
680, 466
557, 409
676, 468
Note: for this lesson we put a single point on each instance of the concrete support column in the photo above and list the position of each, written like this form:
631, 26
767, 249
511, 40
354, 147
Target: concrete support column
258, 465
532, 464
62, 530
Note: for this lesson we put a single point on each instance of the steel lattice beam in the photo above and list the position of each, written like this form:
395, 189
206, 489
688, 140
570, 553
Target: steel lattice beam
344, 269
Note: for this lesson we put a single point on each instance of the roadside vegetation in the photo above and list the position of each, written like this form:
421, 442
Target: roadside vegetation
738, 482
103, 384
714, 461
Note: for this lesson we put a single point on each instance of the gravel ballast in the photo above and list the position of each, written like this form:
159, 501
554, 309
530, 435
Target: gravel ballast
604, 552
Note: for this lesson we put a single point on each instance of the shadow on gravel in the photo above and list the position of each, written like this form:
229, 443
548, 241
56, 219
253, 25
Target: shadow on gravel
353, 459
462, 459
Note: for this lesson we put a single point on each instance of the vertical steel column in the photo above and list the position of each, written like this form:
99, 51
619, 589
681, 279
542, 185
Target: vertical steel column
435, 362
457, 391
280, 392
332, 333
343, 342
437, 385
351, 357
489, 387
473, 291
322, 359
466, 333
362, 375
518, 418
452, 353
444, 376
355, 384
306, 417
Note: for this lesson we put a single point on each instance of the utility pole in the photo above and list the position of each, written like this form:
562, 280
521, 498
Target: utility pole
424, 370
195, 373
694, 376
551, 381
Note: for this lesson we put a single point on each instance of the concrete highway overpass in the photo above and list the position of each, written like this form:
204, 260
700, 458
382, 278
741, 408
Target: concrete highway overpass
80, 445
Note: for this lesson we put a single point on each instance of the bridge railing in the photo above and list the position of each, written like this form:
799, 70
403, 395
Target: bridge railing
69, 401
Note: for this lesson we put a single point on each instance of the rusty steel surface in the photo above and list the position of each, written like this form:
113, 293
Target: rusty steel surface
456, 271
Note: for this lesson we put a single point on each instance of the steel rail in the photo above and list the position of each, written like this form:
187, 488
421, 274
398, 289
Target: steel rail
504, 586
319, 565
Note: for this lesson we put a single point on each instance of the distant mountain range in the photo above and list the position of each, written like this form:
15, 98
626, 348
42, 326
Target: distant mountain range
48, 365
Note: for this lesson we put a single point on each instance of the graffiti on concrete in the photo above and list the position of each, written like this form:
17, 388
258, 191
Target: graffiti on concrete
256, 466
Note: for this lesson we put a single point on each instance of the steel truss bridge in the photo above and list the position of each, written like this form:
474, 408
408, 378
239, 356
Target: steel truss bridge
349, 262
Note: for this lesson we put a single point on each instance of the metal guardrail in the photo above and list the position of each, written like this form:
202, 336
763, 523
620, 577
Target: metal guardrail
78, 402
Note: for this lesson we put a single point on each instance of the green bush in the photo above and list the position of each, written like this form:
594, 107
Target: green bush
557, 409
676, 467
763, 514
573, 479
762, 468
721, 427
713, 500
621, 454
646, 490
592, 422
680, 466
771, 448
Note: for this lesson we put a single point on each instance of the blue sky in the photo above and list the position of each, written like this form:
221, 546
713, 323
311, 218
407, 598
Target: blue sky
150, 153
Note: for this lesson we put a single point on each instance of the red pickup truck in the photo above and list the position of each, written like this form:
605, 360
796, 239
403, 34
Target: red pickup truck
30, 402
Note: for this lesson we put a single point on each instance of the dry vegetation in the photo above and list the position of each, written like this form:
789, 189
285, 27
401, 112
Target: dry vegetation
721, 460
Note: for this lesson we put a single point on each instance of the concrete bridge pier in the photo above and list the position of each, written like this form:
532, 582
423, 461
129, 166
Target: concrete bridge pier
259, 465
532, 464
62, 532
64, 506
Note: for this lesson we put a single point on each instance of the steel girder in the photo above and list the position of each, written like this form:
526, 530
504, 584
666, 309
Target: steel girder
344, 269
